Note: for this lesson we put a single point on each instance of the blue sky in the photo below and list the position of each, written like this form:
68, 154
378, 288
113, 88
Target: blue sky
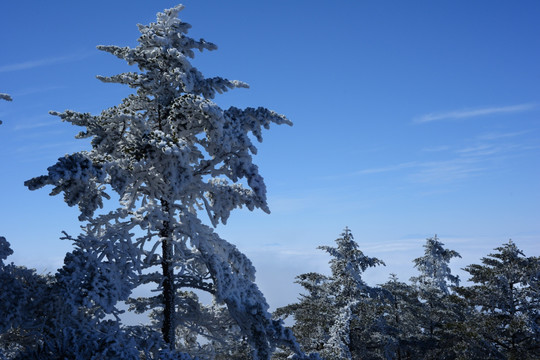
410, 119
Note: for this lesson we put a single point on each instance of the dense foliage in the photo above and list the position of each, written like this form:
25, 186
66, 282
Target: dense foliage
497, 317
339, 316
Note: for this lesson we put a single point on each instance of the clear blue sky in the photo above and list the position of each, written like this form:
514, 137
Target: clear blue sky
410, 119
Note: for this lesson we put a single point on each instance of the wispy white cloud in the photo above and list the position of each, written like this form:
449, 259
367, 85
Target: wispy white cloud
35, 125
437, 148
479, 150
460, 162
447, 171
390, 168
31, 64
37, 90
470, 113
502, 135
432, 171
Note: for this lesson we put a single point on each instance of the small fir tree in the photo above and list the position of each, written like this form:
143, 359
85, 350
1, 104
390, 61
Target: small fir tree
347, 322
435, 272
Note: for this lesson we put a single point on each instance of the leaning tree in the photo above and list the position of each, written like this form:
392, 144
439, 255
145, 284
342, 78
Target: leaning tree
171, 154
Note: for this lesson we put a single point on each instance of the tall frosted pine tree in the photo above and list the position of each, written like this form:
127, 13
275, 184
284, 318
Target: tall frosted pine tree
170, 154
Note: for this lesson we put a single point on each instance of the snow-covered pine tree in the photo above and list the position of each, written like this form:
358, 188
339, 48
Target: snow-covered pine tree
356, 328
170, 153
505, 299
434, 286
435, 272
313, 332
346, 306
347, 265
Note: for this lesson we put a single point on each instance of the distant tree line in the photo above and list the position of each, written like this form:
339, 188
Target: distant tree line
338, 316
432, 317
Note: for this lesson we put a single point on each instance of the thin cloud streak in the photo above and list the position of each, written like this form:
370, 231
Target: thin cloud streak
34, 125
447, 171
37, 90
390, 168
462, 163
463, 114
42, 62
502, 135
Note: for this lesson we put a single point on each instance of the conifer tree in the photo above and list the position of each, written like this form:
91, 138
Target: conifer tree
170, 154
435, 272
313, 332
506, 300
403, 309
434, 285
356, 326
347, 323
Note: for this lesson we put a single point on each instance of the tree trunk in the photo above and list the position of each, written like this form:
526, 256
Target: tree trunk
169, 311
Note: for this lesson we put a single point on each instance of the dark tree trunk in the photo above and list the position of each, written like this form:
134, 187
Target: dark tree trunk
169, 323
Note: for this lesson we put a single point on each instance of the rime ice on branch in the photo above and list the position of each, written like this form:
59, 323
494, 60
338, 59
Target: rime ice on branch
169, 151
434, 267
334, 318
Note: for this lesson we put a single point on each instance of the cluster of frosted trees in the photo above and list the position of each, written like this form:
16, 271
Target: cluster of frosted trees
177, 161
338, 316
432, 317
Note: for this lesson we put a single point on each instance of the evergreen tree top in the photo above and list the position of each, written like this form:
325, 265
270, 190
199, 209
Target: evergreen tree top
163, 56
434, 266
167, 141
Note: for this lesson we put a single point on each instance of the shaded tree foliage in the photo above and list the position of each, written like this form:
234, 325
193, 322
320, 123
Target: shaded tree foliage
497, 317
506, 298
37, 322
338, 315
434, 286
